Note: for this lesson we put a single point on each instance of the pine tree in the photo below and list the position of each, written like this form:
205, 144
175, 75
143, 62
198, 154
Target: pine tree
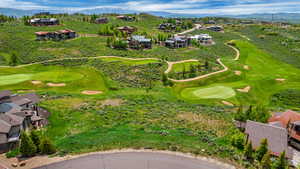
192, 71
35, 139
27, 148
165, 79
13, 60
248, 151
47, 146
281, 162
266, 161
262, 150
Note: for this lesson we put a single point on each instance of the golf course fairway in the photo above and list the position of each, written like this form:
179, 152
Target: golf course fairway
216, 92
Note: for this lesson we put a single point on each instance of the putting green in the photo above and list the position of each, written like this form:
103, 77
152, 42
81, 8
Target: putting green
216, 92
14, 79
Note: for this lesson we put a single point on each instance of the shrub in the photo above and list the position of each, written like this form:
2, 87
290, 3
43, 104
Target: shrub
35, 139
27, 149
46, 146
262, 150
248, 151
238, 140
281, 162
13, 153
266, 161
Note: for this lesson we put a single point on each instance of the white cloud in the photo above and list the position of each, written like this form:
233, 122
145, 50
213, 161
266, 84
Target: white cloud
19, 5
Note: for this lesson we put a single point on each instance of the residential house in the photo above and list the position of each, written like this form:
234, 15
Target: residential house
167, 26
177, 42
101, 20
215, 28
204, 39
43, 21
210, 22
247, 22
126, 18
289, 120
140, 42
127, 29
17, 113
277, 137
58, 35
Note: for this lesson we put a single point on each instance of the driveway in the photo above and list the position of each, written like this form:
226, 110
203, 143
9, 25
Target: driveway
135, 160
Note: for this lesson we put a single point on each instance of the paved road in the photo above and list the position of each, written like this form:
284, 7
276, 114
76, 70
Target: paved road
133, 160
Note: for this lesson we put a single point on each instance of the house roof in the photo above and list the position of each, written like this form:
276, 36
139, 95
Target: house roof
30, 96
22, 101
140, 38
41, 33
9, 120
36, 118
277, 137
9, 108
65, 31
285, 117
4, 93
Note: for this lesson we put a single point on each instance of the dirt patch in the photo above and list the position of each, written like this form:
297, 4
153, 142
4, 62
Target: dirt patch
205, 121
227, 103
76, 52
244, 90
91, 92
280, 80
238, 73
246, 67
112, 102
36, 82
56, 84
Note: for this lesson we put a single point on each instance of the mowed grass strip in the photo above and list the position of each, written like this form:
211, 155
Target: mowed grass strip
130, 61
14, 79
216, 92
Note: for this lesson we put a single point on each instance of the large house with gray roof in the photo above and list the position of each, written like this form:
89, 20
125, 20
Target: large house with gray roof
18, 113
140, 42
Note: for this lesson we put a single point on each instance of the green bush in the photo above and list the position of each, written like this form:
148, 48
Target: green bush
238, 140
262, 150
13, 153
34, 135
47, 146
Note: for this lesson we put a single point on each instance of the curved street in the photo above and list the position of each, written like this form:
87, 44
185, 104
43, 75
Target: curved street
136, 160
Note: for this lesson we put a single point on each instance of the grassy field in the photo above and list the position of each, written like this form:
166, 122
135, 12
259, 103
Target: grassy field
179, 67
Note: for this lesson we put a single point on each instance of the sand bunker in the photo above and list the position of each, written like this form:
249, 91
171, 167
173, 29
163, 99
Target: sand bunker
244, 90
246, 67
91, 92
36, 82
237, 73
56, 84
280, 80
227, 103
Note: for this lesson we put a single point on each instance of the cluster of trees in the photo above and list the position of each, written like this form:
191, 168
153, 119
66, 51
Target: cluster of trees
117, 43
258, 113
166, 81
4, 18
33, 143
263, 158
192, 71
110, 30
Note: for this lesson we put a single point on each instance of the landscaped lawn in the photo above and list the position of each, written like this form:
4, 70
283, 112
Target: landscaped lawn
130, 61
179, 67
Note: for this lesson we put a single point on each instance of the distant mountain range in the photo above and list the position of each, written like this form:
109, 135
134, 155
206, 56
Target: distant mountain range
283, 17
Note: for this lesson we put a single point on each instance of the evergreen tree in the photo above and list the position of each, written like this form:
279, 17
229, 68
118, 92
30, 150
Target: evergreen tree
248, 151
47, 146
35, 139
13, 60
27, 148
165, 79
266, 161
262, 150
192, 71
206, 65
281, 162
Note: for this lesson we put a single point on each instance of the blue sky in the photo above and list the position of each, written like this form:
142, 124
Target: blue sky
174, 6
